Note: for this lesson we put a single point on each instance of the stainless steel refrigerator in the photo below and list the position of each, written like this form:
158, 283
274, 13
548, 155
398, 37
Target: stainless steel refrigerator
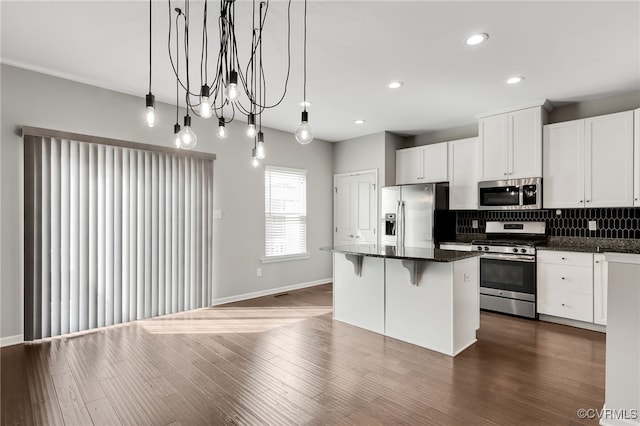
416, 215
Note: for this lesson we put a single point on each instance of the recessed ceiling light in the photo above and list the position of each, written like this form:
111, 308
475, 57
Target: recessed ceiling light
515, 80
477, 39
305, 104
395, 84
359, 121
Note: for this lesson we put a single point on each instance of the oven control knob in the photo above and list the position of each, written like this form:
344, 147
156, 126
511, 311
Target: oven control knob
523, 250
486, 248
515, 250
479, 248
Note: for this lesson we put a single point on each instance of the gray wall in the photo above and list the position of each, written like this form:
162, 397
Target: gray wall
39, 100
562, 111
593, 107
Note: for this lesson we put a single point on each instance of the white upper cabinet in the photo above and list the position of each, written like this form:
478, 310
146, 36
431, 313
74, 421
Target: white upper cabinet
511, 144
609, 160
422, 164
463, 174
409, 165
494, 147
589, 162
636, 158
563, 165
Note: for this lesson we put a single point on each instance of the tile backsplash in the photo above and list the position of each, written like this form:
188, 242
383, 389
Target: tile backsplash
611, 222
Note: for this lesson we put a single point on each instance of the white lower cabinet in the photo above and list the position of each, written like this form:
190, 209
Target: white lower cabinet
565, 284
358, 296
440, 312
600, 287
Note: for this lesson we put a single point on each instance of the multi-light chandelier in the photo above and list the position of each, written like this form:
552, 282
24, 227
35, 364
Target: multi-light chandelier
235, 87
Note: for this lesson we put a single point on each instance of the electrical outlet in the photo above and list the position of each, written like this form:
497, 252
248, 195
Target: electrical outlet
474, 224
593, 226
258, 272
467, 278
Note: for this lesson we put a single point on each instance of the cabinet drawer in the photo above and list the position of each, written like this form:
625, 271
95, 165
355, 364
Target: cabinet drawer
575, 279
565, 258
556, 301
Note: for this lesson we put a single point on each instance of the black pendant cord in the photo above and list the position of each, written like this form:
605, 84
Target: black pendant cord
177, 70
304, 90
150, 1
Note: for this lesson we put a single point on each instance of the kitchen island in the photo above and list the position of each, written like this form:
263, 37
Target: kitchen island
428, 297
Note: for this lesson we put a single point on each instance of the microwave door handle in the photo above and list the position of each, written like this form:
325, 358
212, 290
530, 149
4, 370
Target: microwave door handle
521, 195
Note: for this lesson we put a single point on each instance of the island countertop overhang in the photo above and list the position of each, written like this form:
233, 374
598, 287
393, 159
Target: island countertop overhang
406, 253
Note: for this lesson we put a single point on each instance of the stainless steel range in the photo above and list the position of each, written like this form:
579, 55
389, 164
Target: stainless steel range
508, 267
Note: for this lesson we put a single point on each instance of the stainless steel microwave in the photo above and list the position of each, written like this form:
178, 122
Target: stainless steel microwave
510, 194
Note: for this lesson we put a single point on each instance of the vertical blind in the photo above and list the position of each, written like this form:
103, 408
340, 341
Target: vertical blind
285, 211
113, 234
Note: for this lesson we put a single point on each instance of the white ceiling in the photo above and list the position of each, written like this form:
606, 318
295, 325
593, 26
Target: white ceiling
567, 52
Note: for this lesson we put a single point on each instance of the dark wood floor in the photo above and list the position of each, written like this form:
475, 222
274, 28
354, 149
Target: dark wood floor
283, 360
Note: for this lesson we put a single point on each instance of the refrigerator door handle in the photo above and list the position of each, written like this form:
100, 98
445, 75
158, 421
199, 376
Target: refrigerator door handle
398, 224
402, 212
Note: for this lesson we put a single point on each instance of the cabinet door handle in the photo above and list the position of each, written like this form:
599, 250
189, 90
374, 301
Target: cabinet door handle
581, 201
564, 304
588, 201
563, 258
506, 174
563, 278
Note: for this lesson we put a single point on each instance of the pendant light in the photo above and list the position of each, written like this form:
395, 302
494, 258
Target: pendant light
150, 100
205, 104
254, 158
189, 139
251, 127
232, 87
177, 139
222, 132
304, 133
260, 154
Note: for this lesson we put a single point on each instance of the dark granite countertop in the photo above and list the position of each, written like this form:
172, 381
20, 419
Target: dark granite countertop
408, 253
592, 245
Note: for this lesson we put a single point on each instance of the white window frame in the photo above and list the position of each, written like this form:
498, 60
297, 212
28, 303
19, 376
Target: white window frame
285, 257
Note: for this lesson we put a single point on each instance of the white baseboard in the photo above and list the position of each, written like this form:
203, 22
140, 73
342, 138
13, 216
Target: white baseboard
573, 323
11, 340
253, 295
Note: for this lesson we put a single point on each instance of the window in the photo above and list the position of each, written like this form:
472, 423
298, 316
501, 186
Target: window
285, 212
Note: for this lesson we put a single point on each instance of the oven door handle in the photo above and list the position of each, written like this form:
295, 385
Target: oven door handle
510, 257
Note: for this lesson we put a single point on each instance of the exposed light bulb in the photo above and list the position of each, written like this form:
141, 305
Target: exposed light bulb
260, 146
304, 134
189, 139
205, 103
251, 128
222, 132
177, 134
151, 109
254, 158
205, 107
232, 87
